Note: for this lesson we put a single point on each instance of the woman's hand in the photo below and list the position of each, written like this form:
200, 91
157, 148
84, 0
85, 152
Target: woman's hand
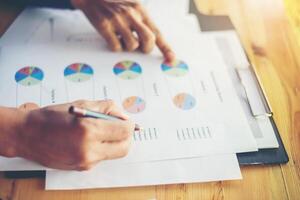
56, 139
125, 25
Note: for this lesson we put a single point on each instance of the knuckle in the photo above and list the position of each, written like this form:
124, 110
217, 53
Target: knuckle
133, 45
115, 129
83, 158
104, 156
133, 15
125, 131
110, 103
83, 127
11, 152
117, 20
84, 167
78, 102
81, 103
165, 48
125, 10
115, 47
123, 150
149, 43
104, 23
121, 131
107, 106
85, 131
138, 6
147, 48
151, 38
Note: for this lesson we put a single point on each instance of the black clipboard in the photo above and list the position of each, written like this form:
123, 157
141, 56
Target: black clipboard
263, 156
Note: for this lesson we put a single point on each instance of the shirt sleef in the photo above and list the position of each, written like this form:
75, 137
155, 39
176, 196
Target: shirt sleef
63, 4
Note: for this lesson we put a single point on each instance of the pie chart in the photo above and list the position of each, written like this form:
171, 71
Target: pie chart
78, 72
29, 76
134, 104
184, 101
127, 70
176, 69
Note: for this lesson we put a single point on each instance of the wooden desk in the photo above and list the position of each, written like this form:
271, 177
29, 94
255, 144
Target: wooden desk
271, 44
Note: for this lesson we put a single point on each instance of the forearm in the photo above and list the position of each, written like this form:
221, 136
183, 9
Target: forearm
10, 125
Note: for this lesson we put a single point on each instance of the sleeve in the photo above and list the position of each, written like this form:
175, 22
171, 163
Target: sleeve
64, 4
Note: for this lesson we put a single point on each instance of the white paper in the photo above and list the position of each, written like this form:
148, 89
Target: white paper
109, 174
237, 63
167, 8
41, 26
257, 107
180, 141
92, 42
19, 164
192, 130
73, 36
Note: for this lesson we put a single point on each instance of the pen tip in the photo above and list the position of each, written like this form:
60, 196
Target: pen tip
71, 109
138, 128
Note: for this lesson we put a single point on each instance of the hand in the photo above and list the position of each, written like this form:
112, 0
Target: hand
120, 21
56, 139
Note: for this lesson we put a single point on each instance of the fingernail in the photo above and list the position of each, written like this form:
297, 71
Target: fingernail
125, 117
170, 56
116, 48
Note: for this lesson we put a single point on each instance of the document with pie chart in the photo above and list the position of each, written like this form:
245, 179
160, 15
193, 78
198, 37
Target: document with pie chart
79, 77
184, 106
29, 78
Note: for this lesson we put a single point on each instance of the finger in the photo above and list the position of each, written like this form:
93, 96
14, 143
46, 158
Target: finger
107, 130
145, 34
115, 150
107, 107
131, 43
160, 41
103, 151
89, 158
103, 26
112, 131
110, 108
111, 38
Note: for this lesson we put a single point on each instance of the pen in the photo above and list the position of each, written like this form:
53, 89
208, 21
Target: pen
80, 112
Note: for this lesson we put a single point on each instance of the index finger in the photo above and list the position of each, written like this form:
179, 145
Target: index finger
107, 107
161, 43
109, 131
165, 48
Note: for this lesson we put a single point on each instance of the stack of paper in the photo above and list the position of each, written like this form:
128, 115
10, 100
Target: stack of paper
203, 123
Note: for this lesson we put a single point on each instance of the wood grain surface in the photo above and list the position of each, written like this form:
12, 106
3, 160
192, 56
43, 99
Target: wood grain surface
293, 13
269, 34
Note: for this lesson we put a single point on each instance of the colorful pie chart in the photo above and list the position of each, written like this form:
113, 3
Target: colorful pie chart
134, 104
127, 70
78, 72
29, 76
176, 69
184, 101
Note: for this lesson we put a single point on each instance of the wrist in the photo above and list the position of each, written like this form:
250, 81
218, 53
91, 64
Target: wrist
11, 123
